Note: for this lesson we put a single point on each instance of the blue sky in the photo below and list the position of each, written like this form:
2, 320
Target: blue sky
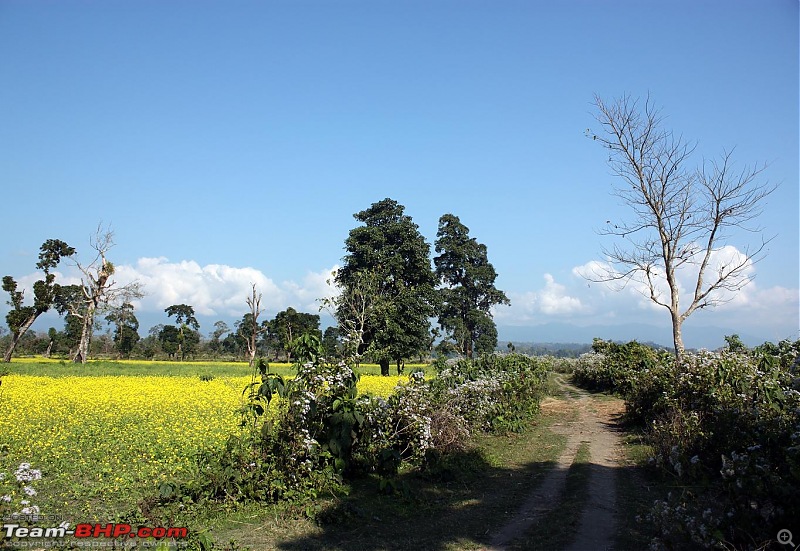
231, 142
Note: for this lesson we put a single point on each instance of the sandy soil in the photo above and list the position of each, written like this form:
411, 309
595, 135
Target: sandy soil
595, 425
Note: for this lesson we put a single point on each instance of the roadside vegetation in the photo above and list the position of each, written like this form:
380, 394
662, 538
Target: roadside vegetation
157, 449
724, 427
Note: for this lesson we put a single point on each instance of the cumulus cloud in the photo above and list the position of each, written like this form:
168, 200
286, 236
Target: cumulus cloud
580, 298
746, 305
218, 289
551, 301
725, 263
575, 298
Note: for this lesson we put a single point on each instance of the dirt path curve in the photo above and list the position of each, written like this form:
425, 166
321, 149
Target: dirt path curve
595, 426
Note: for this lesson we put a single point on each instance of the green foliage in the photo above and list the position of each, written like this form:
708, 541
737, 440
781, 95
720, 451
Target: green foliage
292, 450
126, 328
169, 336
734, 343
467, 290
289, 325
187, 337
184, 315
613, 366
727, 424
332, 342
492, 393
298, 437
45, 292
389, 246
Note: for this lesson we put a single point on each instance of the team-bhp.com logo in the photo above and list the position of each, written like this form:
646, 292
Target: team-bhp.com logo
97, 530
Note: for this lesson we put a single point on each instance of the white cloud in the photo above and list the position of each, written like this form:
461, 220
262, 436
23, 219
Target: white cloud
554, 301
315, 286
218, 289
720, 263
581, 299
551, 301
750, 307
221, 290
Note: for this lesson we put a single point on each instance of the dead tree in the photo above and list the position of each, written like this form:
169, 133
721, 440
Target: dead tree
682, 216
254, 302
98, 290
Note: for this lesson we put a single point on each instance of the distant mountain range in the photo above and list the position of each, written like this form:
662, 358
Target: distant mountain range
694, 337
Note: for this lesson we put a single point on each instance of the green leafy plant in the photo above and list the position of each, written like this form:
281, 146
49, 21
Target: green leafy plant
726, 424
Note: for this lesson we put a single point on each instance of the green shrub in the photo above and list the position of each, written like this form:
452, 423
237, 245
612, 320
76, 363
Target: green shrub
614, 367
727, 424
493, 393
323, 431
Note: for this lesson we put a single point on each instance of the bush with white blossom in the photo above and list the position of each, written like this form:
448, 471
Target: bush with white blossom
726, 424
17, 493
320, 430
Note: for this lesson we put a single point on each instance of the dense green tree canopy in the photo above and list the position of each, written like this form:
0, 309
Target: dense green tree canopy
215, 341
467, 290
45, 292
188, 326
389, 246
126, 328
170, 337
183, 314
331, 342
290, 324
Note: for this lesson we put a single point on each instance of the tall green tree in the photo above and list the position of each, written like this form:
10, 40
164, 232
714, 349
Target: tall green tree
389, 247
332, 342
70, 337
467, 291
45, 291
291, 324
215, 341
170, 338
126, 328
187, 322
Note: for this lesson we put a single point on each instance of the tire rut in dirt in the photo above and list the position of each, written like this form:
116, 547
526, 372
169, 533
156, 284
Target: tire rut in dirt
597, 520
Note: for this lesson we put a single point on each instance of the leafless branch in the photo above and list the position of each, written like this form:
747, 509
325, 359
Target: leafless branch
681, 216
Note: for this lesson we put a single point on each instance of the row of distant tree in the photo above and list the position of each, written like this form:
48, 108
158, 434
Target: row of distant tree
390, 286
119, 337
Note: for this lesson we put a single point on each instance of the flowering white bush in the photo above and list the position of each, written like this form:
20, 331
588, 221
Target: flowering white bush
324, 430
727, 424
15, 493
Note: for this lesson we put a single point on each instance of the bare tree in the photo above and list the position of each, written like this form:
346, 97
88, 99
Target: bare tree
682, 215
254, 302
353, 308
98, 290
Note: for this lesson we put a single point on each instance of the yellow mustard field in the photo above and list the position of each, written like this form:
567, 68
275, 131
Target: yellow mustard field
103, 439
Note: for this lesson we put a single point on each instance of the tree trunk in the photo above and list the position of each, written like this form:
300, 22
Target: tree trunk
251, 355
384, 363
677, 339
82, 354
17, 336
49, 348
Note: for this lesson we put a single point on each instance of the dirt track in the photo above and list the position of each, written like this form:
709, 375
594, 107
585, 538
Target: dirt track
594, 425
